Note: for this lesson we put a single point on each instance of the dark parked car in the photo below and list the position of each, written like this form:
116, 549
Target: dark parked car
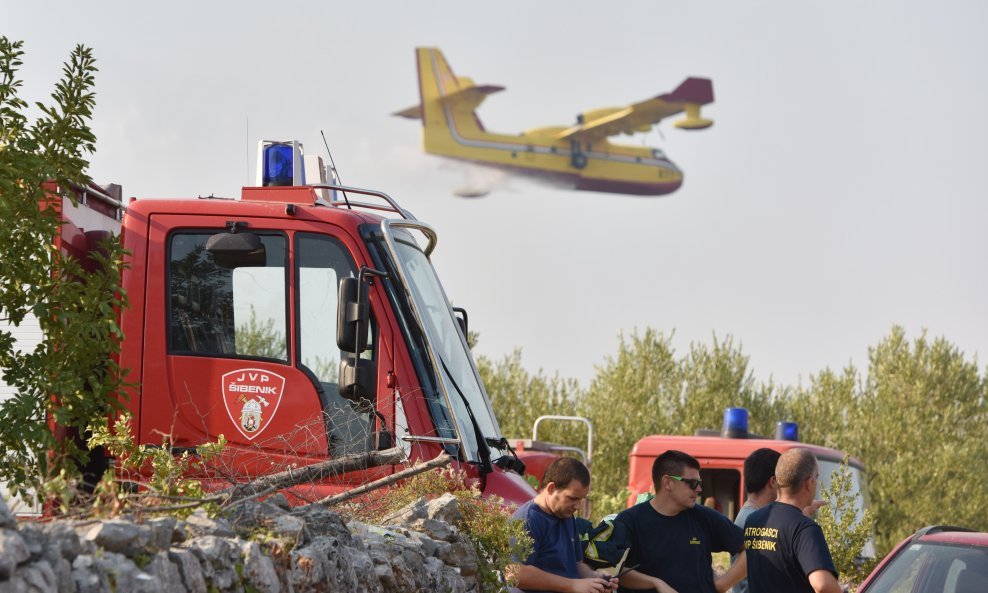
937, 559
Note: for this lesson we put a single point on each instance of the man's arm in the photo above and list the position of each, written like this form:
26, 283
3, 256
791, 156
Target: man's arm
824, 581
639, 580
734, 574
530, 577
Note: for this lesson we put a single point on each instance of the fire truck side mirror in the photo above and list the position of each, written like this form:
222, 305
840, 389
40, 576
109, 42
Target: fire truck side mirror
352, 316
460, 314
357, 380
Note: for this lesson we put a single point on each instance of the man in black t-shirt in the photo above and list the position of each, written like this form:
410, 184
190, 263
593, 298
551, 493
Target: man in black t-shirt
671, 537
786, 549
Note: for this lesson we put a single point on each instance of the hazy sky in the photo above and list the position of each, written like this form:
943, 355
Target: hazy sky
839, 192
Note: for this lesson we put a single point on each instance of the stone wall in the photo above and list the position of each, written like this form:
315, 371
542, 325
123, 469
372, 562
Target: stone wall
259, 548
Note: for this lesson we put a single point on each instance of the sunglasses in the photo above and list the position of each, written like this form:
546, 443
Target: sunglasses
691, 482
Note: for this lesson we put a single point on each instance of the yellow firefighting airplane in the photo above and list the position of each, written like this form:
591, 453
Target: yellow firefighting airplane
578, 156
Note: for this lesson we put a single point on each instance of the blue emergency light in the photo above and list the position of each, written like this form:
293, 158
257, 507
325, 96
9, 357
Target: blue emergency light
735, 423
278, 165
786, 431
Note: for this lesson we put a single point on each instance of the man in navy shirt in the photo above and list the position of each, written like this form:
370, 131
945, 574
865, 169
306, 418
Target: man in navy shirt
671, 537
786, 549
762, 489
556, 562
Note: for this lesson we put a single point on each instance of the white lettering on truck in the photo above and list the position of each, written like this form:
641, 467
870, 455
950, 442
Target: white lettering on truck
270, 390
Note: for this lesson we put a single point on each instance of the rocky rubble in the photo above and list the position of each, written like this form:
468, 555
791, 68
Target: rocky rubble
260, 547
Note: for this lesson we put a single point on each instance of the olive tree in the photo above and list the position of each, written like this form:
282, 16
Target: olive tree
634, 393
519, 397
919, 426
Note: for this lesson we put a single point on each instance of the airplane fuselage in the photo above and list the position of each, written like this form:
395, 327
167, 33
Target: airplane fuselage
600, 166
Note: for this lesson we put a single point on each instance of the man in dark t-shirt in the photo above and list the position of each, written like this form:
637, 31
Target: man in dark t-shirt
786, 549
671, 537
556, 562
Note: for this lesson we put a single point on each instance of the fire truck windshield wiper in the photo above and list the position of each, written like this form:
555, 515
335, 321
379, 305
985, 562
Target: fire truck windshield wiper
483, 449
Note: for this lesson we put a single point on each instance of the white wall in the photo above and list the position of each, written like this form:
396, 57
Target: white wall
28, 335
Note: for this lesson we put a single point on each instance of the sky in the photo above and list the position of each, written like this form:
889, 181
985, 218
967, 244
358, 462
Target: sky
839, 192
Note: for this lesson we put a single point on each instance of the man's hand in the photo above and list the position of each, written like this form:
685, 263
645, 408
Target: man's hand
594, 585
814, 507
612, 581
737, 571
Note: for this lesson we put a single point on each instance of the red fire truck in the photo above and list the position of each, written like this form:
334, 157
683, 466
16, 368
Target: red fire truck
303, 321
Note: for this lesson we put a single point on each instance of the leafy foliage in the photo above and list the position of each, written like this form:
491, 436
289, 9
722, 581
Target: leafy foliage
634, 394
257, 337
919, 426
169, 473
497, 538
845, 533
525, 396
71, 377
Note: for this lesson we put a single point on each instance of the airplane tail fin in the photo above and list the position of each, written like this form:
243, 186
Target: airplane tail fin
436, 78
692, 90
439, 89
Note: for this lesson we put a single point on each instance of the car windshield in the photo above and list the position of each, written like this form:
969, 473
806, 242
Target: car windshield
934, 568
456, 366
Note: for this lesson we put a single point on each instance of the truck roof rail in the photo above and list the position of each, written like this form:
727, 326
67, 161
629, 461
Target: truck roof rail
391, 205
86, 192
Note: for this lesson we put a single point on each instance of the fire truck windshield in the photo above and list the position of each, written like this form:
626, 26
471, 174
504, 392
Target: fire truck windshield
459, 375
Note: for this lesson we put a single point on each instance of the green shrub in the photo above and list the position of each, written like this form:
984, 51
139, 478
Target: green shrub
168, 481
846, 533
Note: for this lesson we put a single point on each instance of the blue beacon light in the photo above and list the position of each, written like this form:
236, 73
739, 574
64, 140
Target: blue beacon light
787, 431
278, 166
735, 423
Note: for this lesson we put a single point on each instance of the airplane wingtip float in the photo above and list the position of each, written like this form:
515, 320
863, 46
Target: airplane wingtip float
578, 156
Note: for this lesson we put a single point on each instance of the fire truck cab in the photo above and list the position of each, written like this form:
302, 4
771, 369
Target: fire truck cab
303, 321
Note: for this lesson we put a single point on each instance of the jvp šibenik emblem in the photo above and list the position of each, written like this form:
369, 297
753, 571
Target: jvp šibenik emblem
251, 397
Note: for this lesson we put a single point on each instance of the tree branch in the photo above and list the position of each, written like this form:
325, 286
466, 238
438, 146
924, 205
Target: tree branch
315, 472
441, 461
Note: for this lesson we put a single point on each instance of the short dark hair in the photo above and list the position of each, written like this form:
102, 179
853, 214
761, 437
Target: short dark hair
759, 467
564, 470
671, 463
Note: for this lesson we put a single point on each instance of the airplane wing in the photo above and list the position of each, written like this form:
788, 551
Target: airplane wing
639, 117
470, 96
414, 112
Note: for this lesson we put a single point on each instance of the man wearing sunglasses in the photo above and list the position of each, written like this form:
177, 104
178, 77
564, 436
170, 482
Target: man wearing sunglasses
671, 537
